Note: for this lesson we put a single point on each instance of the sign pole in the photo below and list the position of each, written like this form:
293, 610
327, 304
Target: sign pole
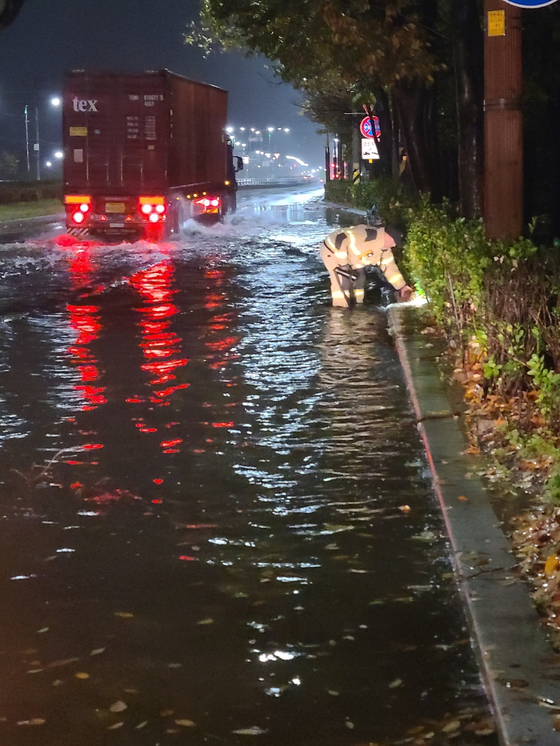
503, 127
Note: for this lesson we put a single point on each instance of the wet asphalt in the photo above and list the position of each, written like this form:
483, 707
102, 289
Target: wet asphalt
217, 518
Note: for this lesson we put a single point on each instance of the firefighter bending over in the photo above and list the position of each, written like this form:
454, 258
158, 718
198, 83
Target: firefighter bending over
347, 251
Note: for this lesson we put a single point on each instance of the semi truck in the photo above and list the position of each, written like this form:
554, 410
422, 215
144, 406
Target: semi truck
143, 153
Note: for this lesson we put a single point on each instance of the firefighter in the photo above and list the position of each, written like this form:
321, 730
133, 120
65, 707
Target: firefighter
347, 251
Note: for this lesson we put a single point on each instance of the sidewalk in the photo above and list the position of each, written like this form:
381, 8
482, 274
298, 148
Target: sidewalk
520, 669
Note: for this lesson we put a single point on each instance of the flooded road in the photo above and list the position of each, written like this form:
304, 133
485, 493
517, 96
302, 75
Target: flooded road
217, 524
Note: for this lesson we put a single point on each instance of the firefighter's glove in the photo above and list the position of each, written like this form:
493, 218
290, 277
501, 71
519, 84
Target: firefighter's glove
405, 294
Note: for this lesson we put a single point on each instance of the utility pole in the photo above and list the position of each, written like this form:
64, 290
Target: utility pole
27, 139
503, 127
37, 144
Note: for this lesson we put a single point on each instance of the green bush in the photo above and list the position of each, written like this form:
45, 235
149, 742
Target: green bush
447, 258
29, 191
339, 192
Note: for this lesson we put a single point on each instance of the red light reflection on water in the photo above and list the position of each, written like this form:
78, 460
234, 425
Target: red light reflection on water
161, 347
85, 321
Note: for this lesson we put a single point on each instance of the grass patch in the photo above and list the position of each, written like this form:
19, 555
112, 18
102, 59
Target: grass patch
19, 210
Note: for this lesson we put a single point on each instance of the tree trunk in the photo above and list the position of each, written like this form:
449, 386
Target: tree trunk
469, 76
416, 109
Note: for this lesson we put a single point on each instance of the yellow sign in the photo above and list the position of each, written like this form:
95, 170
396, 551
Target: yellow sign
78, 131
496, 23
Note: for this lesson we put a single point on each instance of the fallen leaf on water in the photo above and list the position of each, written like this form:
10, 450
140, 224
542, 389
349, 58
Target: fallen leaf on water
451, 726
124, 614
57, 682
517, 683
174, 665
405, 508
43, 629
185, 723
486, 730
349, 724
425, 536
394, 684
463, 498
118, 706
416, 730
82, 675
141, 725
97, 651
206, 621
116, 725
166, 713
64, 662
333, 692
551, 564
254, 731
33, 721
549, 703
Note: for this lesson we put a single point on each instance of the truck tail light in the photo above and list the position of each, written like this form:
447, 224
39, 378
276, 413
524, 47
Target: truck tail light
78, 217
208, 205
153, 208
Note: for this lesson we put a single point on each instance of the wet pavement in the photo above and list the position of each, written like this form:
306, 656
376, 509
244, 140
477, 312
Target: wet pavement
217, 520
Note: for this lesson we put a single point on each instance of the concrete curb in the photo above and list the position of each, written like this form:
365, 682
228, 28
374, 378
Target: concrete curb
519, 668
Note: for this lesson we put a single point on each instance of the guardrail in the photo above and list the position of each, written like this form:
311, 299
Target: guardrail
279, 182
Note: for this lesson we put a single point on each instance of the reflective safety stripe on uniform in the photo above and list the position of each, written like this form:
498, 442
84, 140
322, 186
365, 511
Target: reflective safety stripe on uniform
352, 241
340, 254
391, 271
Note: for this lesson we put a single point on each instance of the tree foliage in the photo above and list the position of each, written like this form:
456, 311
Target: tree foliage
9, 10
417, 65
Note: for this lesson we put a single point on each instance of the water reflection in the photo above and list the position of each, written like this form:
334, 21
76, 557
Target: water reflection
236, 560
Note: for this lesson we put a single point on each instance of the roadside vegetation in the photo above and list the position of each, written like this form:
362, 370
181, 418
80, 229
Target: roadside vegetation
38, 208
27, 199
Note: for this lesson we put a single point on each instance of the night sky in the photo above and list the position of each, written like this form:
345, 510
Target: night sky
51, 36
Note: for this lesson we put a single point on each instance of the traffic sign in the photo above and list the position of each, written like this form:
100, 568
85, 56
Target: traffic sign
365, 127
530, 3
369, 149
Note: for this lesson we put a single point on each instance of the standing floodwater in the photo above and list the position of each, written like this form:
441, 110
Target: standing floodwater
217, 522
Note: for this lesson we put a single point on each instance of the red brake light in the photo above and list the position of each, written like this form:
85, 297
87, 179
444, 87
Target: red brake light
84, 207
146, 209
78, 217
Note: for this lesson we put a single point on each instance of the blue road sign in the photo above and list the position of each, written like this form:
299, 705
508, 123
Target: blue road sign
530, 3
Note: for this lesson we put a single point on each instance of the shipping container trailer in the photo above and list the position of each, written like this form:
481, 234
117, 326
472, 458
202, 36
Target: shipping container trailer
144, 152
